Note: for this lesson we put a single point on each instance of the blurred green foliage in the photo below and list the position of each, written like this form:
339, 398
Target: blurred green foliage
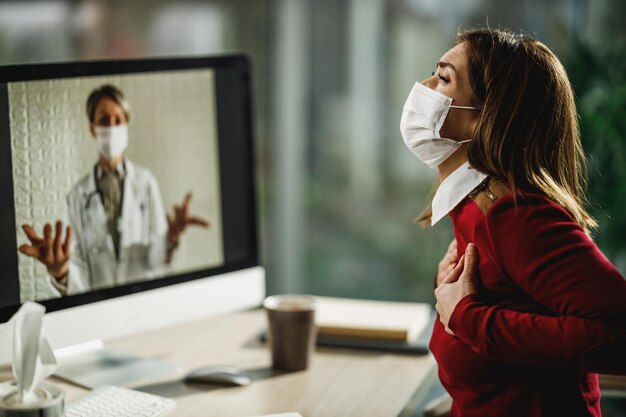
599, 80
375, 250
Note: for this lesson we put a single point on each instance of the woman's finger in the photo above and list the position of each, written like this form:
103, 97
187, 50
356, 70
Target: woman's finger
470, 272
452, 246
455, 273
68, 241
199, 221
180, 214
47, 239
29, 250
471, 261
186, 202
34, 238
58, 236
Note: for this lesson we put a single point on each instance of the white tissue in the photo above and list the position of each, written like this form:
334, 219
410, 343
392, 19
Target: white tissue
33, 358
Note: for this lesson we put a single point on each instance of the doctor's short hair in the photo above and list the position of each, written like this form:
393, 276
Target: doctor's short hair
109, 91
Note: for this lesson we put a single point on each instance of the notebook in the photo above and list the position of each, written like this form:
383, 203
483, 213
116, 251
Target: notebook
383, 320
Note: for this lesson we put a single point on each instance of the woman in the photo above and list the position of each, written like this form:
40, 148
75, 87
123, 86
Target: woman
532, 309
120, 230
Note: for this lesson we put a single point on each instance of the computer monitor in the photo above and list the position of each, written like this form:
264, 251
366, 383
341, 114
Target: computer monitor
151, 164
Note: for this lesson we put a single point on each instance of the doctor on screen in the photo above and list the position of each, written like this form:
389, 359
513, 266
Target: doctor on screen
118, 231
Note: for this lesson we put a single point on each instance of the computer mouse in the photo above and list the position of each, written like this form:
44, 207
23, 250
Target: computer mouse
223, 375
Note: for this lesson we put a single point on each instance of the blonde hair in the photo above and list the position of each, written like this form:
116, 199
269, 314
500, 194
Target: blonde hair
109, 91
527, 131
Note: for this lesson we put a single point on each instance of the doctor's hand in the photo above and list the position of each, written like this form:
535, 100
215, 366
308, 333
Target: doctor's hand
178, 222
460, 282
447, 264
50, 251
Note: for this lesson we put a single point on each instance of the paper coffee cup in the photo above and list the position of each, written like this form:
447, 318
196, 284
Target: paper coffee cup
292, 331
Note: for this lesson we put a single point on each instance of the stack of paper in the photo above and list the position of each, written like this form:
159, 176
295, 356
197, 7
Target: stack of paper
371, 319
613, 383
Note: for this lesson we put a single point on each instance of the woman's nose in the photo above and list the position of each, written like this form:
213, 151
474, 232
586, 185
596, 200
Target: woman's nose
429, 82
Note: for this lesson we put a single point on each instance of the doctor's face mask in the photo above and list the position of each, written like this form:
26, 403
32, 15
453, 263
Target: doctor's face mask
111, 141
423, 116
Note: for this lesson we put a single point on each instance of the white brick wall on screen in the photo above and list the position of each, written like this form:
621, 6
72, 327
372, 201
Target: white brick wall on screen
172, 130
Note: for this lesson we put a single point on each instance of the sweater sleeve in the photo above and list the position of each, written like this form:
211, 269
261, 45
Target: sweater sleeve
539, 246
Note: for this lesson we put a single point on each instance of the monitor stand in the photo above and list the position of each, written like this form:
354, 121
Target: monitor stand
90, 365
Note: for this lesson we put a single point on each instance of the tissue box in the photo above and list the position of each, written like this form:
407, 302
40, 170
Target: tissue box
50, 401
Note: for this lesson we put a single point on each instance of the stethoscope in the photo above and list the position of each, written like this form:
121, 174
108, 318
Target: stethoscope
83, 218
98, 192
95, 192
89, 197
88, 205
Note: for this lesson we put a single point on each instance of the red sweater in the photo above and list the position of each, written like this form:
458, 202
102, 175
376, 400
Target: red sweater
549, 310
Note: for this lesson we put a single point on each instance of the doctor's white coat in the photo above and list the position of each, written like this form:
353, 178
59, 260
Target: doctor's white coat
143, 227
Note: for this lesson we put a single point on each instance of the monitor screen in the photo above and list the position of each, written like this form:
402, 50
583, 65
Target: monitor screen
119, 177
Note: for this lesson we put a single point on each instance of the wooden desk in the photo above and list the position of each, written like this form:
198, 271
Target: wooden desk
339, 382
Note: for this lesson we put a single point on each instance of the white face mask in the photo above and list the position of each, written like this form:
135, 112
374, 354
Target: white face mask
111, 141
423, 115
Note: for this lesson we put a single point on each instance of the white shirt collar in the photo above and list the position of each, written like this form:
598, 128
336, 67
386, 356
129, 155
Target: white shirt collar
120, 170
453, 190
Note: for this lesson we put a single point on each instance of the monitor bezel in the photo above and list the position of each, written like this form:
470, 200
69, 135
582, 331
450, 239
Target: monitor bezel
239, 63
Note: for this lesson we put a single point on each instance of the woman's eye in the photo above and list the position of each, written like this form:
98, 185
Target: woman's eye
444, 79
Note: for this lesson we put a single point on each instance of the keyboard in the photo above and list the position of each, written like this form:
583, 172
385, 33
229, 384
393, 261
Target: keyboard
109, 401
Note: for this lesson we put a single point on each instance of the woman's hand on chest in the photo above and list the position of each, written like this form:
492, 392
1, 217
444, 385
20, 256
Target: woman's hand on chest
459, 283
